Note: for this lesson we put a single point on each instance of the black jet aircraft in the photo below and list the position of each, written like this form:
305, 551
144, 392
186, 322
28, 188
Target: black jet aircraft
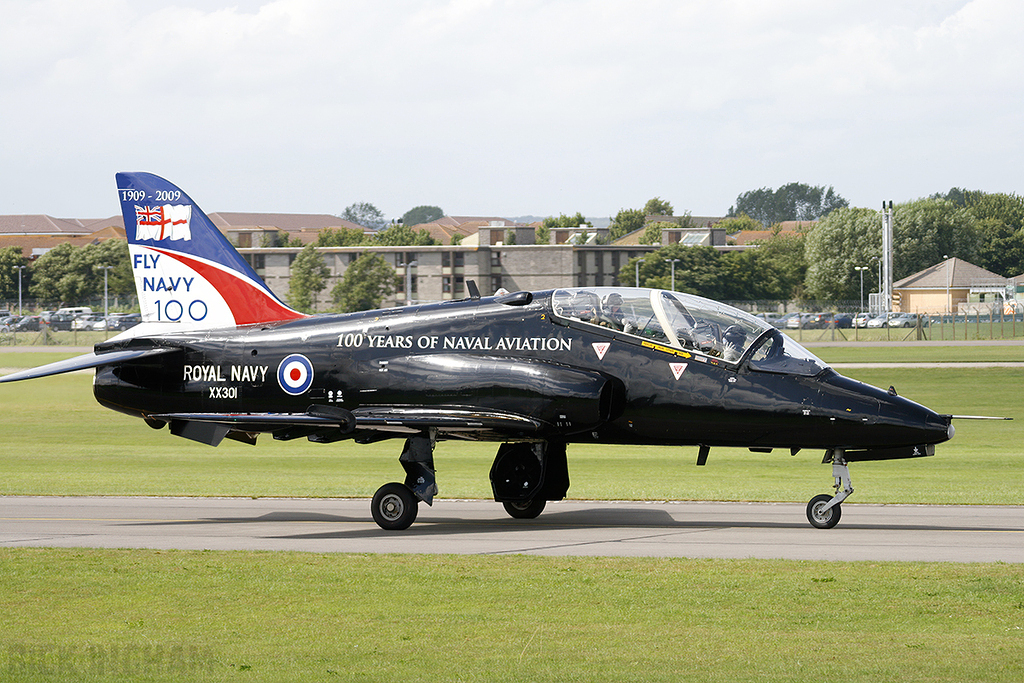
218, 356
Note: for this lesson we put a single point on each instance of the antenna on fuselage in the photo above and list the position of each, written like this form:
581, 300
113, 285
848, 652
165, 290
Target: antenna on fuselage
474, 293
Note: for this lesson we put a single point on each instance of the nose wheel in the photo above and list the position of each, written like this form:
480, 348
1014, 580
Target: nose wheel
823, 512
820, 515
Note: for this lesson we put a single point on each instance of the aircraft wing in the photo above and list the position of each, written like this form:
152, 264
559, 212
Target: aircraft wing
328, 423
89, 360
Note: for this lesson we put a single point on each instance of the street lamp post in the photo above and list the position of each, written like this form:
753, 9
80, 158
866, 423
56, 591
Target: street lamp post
673, 261
408, 281
881, 308
19, 269
861, 269
949, 301
106, 307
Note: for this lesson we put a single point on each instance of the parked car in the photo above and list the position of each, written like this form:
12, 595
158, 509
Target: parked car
85, 322
843, 321
799, 320
908, 320
124, 322
780, 323
861, 319
821, 321
879, 321
60, 321
30, 323
770, 318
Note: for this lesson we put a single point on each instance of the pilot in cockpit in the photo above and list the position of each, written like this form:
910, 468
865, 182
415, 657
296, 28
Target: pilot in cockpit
733, 340
611, 312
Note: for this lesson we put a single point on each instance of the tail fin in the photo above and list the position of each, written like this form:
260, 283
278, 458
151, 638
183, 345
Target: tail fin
187, 274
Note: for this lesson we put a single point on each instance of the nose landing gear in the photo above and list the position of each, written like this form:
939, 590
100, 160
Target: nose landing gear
824, 511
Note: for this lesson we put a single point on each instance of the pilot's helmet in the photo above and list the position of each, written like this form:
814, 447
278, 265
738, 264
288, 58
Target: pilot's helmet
735, 335
613, 299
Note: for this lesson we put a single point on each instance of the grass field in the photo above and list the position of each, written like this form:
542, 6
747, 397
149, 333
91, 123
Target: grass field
109, 615
147, 615
919, 354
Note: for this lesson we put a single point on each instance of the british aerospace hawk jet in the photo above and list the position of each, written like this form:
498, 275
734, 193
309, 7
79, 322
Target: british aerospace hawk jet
218, 356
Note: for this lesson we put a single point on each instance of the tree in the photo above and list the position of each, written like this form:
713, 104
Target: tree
69, 274
279, 238
924, 232
564, 221
960, 196
543, 233
774, 270
739, 223
843, 239
652, 233
114, 253
658, 207
340, 237
422, 214
1000, 232
308, 278
401, 235
367, 281
10, 259
792, 202
52, 277
699, 270
366, 215
625, 222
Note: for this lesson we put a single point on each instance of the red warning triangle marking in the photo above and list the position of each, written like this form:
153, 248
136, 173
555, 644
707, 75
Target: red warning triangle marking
677, 369
601, 348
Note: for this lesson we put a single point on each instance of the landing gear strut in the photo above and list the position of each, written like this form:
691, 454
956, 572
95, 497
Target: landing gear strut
525, 476
824, 511
394, 506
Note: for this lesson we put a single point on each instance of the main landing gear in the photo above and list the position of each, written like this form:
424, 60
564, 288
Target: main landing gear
395, 505
824, 511
524, 477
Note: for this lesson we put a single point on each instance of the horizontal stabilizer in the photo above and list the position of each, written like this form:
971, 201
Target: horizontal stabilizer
89, 360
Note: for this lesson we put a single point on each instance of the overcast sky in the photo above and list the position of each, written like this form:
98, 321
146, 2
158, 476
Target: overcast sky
506, 108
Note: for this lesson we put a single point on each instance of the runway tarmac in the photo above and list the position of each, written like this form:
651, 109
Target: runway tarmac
580, 528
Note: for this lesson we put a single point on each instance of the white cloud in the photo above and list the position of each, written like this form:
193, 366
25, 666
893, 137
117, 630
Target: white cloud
504, 107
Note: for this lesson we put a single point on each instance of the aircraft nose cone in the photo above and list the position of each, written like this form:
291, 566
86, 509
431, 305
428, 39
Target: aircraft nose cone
888, 419
914, 422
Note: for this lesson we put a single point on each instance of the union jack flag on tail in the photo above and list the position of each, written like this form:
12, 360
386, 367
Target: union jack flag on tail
168, 221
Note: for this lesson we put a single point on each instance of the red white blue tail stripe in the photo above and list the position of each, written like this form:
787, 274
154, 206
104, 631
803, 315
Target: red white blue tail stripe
187, 274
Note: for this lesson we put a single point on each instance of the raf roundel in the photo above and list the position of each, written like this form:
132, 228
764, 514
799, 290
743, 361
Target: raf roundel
295, 374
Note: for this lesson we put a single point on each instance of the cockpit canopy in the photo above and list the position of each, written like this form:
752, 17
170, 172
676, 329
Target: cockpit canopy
686, 322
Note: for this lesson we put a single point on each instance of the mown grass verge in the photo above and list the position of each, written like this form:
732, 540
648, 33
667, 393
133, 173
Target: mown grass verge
150, 615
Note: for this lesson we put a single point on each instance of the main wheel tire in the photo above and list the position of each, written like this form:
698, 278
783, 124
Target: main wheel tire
527, 509
394, 507
820, 518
